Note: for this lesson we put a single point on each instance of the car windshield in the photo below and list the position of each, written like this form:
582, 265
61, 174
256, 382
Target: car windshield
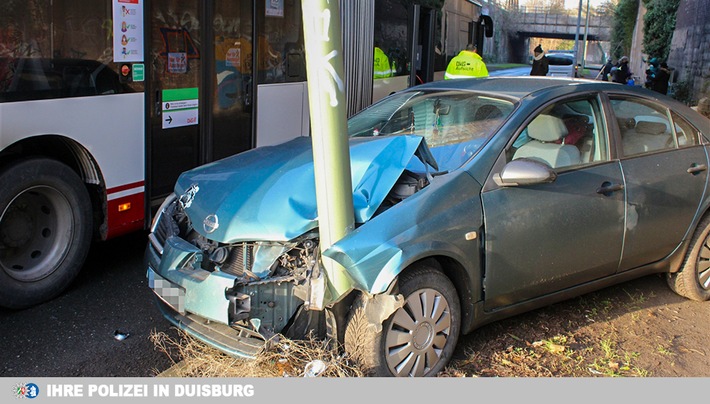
455, 124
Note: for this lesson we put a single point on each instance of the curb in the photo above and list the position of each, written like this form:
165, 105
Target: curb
173, 371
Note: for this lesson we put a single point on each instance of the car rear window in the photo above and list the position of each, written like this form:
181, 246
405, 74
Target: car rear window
560, 60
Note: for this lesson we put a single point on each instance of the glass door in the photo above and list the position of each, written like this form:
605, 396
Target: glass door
176, 67
200, 93
232, 97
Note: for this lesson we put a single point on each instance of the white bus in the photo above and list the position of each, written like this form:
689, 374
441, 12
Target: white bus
103, 103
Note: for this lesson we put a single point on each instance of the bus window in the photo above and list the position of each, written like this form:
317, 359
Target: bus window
391, 35
72, 59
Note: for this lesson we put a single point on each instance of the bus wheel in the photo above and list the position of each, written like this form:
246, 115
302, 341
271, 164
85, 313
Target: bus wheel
45, 231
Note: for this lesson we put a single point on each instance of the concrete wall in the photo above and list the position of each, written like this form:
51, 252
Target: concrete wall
690, 46
636, 57
500, 47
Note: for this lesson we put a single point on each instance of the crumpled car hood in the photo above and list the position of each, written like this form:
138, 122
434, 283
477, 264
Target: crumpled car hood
268, 194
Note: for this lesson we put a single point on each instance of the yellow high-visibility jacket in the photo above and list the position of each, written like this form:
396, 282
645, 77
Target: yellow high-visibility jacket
382, 65
466, 64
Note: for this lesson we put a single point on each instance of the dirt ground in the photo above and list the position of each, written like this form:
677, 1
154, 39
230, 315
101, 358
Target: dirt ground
636, 329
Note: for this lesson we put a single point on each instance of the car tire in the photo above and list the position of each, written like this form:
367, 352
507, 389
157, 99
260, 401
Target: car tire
410, 342
693, 279
45, 231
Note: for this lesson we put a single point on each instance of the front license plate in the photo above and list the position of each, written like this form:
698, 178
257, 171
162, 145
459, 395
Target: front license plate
167, 291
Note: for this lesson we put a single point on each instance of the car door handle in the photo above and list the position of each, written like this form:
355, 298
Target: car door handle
607, 188
697, 168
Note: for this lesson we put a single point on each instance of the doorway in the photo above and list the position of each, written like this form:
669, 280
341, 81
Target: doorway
200, 85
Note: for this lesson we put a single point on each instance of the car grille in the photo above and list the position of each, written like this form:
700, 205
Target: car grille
164, 228
240, 258
238, 262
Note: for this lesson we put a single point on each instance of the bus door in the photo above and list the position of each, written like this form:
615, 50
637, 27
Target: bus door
200, 91
421, 32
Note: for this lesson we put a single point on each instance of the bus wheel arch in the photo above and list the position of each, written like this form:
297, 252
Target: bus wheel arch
76, 157
45, 233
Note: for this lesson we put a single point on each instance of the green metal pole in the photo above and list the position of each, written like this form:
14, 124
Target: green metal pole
331, 153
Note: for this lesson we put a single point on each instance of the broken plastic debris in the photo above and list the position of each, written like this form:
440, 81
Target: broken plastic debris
255, 323
314, 368
120, 336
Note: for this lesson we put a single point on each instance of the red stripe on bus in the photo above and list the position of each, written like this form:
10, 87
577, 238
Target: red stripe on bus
125, 187
126, 221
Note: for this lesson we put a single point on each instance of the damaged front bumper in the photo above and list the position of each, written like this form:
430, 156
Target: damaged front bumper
234, 297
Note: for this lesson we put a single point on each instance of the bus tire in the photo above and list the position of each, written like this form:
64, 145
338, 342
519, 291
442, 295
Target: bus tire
45, 231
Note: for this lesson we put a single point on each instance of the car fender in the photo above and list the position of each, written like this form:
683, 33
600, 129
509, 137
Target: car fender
379, 250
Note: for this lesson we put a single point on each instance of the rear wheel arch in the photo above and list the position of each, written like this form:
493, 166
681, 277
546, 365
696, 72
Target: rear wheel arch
694, 266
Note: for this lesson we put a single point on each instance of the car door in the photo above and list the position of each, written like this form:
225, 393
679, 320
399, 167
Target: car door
665, 168
545, 237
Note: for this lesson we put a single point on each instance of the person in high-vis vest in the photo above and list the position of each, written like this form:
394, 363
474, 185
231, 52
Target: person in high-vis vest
382, 67
466, 64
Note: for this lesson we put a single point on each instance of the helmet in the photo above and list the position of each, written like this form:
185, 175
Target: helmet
624, 59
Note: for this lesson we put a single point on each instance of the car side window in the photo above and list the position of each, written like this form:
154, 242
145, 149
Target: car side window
564, 135
685, 133
644, 127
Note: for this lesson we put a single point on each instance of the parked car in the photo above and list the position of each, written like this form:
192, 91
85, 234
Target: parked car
561, 64
474, 200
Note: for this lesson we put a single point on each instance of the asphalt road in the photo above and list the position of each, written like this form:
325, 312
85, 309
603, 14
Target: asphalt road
73, 335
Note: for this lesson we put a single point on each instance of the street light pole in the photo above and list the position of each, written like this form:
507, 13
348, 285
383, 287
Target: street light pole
576, 37
329, 135
586, 32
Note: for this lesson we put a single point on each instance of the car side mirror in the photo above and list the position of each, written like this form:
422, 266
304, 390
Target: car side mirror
524, 172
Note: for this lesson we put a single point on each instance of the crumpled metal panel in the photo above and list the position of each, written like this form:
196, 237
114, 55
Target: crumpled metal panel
204, 291
269, 193
430, 222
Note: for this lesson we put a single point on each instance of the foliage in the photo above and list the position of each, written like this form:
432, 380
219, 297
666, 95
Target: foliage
557, 6
659, 23
622, 30
682, 91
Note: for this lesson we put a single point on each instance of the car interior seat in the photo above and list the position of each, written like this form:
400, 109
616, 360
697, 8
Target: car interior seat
646, 136
544, 131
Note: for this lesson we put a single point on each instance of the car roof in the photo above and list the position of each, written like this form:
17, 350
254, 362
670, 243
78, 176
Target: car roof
519, 87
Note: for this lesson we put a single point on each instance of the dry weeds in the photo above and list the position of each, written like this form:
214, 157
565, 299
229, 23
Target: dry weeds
284, 358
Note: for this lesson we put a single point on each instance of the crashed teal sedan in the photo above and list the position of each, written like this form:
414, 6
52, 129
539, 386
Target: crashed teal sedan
474, 200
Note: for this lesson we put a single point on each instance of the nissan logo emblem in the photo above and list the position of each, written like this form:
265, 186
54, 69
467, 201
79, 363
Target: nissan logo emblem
211, 223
